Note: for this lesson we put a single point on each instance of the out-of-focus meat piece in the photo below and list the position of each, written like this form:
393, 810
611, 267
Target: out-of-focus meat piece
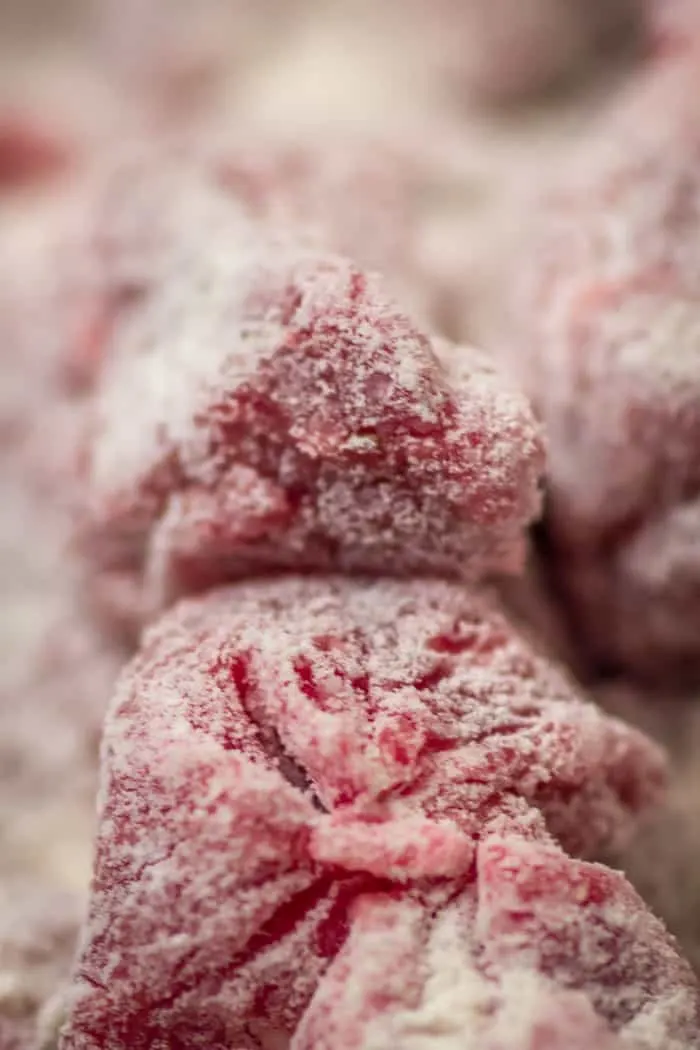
280, 751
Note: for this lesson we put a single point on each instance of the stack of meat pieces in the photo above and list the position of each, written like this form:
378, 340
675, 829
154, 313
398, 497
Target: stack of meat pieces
352, 807
345, 804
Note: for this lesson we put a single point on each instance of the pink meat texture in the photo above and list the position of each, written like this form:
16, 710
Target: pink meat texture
353, 197
271, 407
297, 771
348, 799
535, 952
116, 245
365, 196
605, 341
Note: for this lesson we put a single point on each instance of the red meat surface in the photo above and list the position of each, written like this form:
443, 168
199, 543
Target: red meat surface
363, 196
538, 952
272, 408
605, 341
282, 755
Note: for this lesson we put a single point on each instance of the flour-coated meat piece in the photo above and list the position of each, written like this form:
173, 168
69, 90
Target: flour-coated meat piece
271, 407
280, 750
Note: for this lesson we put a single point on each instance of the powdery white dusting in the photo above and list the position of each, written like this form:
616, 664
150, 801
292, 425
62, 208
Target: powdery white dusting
361, 196
124, 233
538, 952
606, 341
271, 407
280, 751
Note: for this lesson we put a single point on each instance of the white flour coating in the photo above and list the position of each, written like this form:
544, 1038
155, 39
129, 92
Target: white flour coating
594, 968
605, 338
278, 747
267, 371
340, 64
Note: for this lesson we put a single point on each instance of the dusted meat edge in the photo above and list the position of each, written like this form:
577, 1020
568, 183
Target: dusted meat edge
281, 751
